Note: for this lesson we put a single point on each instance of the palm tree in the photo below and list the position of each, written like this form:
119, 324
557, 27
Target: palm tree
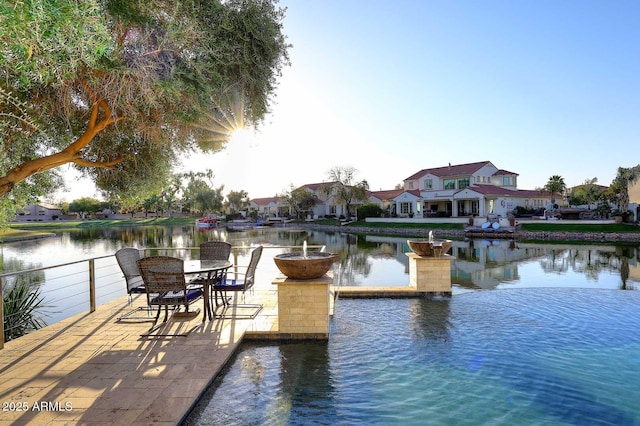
555, 185
626, 177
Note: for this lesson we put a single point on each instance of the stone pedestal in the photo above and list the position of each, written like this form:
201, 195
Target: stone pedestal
303, 307
430, 274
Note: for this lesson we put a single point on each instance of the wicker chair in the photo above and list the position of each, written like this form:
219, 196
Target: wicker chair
212, 250
215, 250
128, 261
240, 285
166, 286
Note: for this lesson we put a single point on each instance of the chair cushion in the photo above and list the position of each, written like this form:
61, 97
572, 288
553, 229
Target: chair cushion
138, 289
177, 297
229, 285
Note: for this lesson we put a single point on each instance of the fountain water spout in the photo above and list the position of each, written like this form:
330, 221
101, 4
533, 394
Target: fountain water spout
430, 236
304, 249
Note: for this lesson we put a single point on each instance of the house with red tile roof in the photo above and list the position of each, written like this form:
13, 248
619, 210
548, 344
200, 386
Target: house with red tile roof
267, 207
472, 189
460, 190
326, 204
386, 200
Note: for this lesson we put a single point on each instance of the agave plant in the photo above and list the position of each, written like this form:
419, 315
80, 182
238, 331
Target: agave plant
21, 299
20, 304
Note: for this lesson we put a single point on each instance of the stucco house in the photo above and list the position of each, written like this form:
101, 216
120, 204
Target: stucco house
266, 207
461, 190
386, 200
326, 204
472, 189
42, 212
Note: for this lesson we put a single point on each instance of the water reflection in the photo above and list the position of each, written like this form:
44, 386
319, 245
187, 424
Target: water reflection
305, 380
430, 320
369, 260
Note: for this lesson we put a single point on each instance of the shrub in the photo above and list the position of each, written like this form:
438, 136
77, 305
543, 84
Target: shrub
19, 305
369, 210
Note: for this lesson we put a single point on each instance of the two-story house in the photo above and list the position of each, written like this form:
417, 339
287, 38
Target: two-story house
473, 189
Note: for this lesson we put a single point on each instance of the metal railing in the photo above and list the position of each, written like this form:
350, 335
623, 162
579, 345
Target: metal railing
95, 280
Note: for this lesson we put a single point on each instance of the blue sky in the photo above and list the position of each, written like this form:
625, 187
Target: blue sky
392, 87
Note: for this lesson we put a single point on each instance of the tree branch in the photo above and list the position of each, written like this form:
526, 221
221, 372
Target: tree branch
99, 164
71, 154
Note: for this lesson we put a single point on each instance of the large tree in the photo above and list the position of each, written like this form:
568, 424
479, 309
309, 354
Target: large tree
343, 187
626, 177
588, 193
119, 88
556, 186
300, 201
202, 198
237, 201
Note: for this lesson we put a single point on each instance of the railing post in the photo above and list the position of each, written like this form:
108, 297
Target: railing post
1, 317
92, 286
235, 261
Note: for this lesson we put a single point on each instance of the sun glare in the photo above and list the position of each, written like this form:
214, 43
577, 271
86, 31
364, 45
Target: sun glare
242, 137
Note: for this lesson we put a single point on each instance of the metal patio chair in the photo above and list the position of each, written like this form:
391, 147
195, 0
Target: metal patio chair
238, 285
166, 286
213, 250
128, 261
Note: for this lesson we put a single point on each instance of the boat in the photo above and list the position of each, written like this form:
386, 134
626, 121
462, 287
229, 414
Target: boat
490, 230
206, 222
239, 225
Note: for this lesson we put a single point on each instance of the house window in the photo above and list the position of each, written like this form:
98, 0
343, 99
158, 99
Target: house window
449, 184
505, 180
406, 208
332, 209
410, 185
463, 183
475, 207
428, 184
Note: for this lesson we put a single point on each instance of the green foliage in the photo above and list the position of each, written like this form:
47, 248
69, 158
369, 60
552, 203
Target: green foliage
201, 198
21, 300
625, 178
20, 304
27, 192
588, 193
369, 210
555, 186
85, 205
237, 201
343, 187
558, 226
519, 211
121, 88
300, 201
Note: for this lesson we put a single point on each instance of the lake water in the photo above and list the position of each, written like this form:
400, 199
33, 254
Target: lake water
543, 356
560, 347
367, 260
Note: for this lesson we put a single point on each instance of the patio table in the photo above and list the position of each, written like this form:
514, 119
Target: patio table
211, 271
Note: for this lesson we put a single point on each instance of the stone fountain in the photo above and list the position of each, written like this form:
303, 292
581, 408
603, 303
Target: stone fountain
305, 265
304, 297
430, 247
430, 265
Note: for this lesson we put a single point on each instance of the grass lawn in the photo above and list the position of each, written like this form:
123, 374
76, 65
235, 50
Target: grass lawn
31, 230
577, 227
102, 223
20, 234
542, 226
